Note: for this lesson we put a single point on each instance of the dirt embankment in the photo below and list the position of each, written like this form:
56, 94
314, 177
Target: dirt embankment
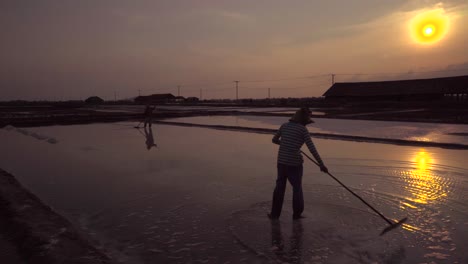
39, 234
77, 116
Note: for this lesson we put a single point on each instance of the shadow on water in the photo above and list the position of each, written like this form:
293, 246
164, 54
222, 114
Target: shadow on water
149, 138
292, 252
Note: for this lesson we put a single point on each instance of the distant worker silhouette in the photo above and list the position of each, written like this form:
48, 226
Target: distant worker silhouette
291, 136
149, 138
148, 114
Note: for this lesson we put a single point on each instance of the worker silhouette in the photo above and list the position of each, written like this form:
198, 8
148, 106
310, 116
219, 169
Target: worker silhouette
148, 115
291, 136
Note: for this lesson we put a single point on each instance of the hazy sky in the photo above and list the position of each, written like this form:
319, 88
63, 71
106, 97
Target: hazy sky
71, 49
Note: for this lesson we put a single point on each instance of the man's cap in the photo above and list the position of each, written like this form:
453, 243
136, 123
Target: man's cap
302, 116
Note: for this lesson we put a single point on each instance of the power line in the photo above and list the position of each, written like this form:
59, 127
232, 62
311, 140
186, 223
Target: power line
333, 75
254, 81
288, 79
199, 86
219, 89
206, 84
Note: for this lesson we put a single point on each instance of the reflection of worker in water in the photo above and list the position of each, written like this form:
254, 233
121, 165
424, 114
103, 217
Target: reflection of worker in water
293, 252
149, 138
148, 114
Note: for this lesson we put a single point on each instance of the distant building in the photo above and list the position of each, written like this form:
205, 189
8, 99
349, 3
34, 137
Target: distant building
192, 99
94, 100
453, 88
179, 99
155, 98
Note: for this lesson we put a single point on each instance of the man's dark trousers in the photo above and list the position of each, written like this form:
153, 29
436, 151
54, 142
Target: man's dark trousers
294, 175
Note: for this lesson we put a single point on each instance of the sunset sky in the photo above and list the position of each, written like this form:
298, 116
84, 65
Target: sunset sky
66, 49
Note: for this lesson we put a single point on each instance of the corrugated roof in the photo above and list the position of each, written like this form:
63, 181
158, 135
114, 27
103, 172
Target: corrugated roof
445, 85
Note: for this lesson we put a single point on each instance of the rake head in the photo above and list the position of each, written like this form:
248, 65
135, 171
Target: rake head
393, 226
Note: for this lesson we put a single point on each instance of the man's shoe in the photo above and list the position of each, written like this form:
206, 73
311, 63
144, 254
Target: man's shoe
298, 217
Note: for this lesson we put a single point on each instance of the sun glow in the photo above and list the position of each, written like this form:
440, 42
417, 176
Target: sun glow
423, 184
429, 27
429, 30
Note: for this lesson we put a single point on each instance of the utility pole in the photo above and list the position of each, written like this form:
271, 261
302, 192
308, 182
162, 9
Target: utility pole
178, 90
333, 78
268, 93
139, 92
200, 93
115, 96
237, 90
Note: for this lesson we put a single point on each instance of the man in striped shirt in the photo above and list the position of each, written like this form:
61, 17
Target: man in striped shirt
291, 136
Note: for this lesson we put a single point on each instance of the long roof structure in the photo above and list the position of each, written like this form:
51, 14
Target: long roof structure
446, 85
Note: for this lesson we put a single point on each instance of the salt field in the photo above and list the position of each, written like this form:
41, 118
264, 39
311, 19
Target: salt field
201, 195
429, 132
139, 108
231, 132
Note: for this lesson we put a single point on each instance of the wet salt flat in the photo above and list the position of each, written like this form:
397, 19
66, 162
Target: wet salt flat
201, 195
182, 108
443, 133
188, 108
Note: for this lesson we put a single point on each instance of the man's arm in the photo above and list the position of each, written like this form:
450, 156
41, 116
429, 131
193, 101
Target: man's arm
276, 137
313, 150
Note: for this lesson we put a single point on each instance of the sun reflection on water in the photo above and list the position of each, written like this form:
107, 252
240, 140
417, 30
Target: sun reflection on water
422, 183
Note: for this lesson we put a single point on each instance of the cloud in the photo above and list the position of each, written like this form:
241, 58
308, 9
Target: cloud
234, 16
462, 67
219, 15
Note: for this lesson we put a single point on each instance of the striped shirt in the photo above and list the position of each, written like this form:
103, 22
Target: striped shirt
291, 136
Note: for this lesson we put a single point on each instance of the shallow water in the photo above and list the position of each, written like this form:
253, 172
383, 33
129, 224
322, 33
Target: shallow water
201, 196
186, 108
182, 108
442, 133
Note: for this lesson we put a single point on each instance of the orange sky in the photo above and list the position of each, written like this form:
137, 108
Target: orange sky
74, 49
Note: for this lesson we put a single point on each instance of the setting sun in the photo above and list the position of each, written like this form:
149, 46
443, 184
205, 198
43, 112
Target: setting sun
429, 27
429, 30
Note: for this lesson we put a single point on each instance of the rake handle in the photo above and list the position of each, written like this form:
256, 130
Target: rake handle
353, 193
